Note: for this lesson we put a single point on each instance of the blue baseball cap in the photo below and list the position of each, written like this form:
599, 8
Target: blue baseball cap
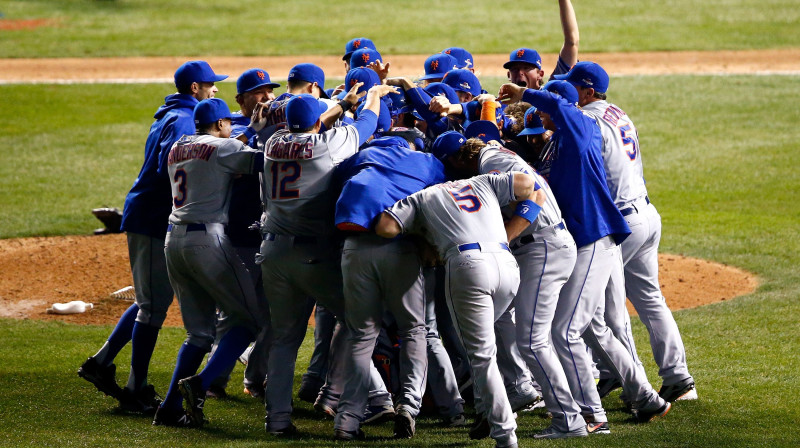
209, 111
356, 44
463, 57
360, 74
309, 73
533, 124
195, 71
440, 88
463, 80
563, 89
364, 57
253, 79
437, 65
587, 74
526, 55
302, 111
484, 130
446, 144
384, 116
399, 104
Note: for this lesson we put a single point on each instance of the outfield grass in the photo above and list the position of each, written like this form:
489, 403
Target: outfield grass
82, 28
720, 161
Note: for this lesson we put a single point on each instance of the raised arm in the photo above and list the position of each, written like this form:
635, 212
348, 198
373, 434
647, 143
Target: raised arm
569, 25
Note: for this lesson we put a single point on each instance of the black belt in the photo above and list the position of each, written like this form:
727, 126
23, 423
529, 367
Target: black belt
473, 246
189, 227
631, 210
297, 239
527, 239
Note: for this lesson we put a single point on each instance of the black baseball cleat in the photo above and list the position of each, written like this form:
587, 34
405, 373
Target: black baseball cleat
680, 390
103, 378
378, 414
646, 415
179, 419
287, 431
404, 425
481, 428
341, 434
143, 401
606, 385
192, 390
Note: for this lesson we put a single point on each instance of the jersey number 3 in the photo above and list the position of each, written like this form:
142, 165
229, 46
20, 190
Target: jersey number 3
467, 202
180, 178
630, 140
284, 174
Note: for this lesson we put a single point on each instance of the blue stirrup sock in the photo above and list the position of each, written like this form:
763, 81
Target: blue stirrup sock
189, 359
143, 343
230, 346
119, 337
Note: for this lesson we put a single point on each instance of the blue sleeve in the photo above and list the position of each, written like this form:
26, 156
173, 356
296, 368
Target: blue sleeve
420, 100
365, 124
171, 133
573, 126
471, 110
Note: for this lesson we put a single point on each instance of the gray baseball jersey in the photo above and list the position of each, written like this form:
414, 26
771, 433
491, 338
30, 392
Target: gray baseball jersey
622, 159
201, 168
297, 176
496, 159
464, 211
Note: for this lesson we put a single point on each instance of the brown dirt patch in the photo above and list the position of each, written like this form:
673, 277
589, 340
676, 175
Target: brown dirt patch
24, 24
38, 272
162, 68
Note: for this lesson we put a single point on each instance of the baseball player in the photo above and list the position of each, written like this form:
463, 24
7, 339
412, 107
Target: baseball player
624, 174
545, 252
299, 255
252, 87
380, 273
147, 207
577, 179
203, 266
462, 220
525, 65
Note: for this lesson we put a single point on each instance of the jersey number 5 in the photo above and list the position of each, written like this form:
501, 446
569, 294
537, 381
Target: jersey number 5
467, 202
630, 140
180, 178
288, 172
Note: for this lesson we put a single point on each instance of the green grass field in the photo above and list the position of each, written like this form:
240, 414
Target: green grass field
253, 27
720, 158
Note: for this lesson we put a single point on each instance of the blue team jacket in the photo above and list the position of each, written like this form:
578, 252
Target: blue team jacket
149, 203
577, 176
376, 177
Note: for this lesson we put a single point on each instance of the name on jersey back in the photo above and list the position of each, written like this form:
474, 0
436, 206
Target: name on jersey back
179, 152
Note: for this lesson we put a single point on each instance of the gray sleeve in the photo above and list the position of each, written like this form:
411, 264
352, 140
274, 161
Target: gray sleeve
342, 142
503, 186
235, 157
404, 212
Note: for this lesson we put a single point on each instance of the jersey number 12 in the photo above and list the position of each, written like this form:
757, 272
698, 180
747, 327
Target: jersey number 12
284, 174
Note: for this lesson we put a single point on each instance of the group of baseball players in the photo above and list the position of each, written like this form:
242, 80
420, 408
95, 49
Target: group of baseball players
487, 241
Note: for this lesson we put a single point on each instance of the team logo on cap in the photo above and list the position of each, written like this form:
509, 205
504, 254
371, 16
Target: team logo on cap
529, 120
260, 75
365, 57
357, 44
481, 136
465, 85
587, 81
434, 65
353, 82
447, 51
520, 53
467, 63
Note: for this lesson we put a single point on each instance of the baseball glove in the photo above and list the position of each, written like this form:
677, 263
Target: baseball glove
110, 217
